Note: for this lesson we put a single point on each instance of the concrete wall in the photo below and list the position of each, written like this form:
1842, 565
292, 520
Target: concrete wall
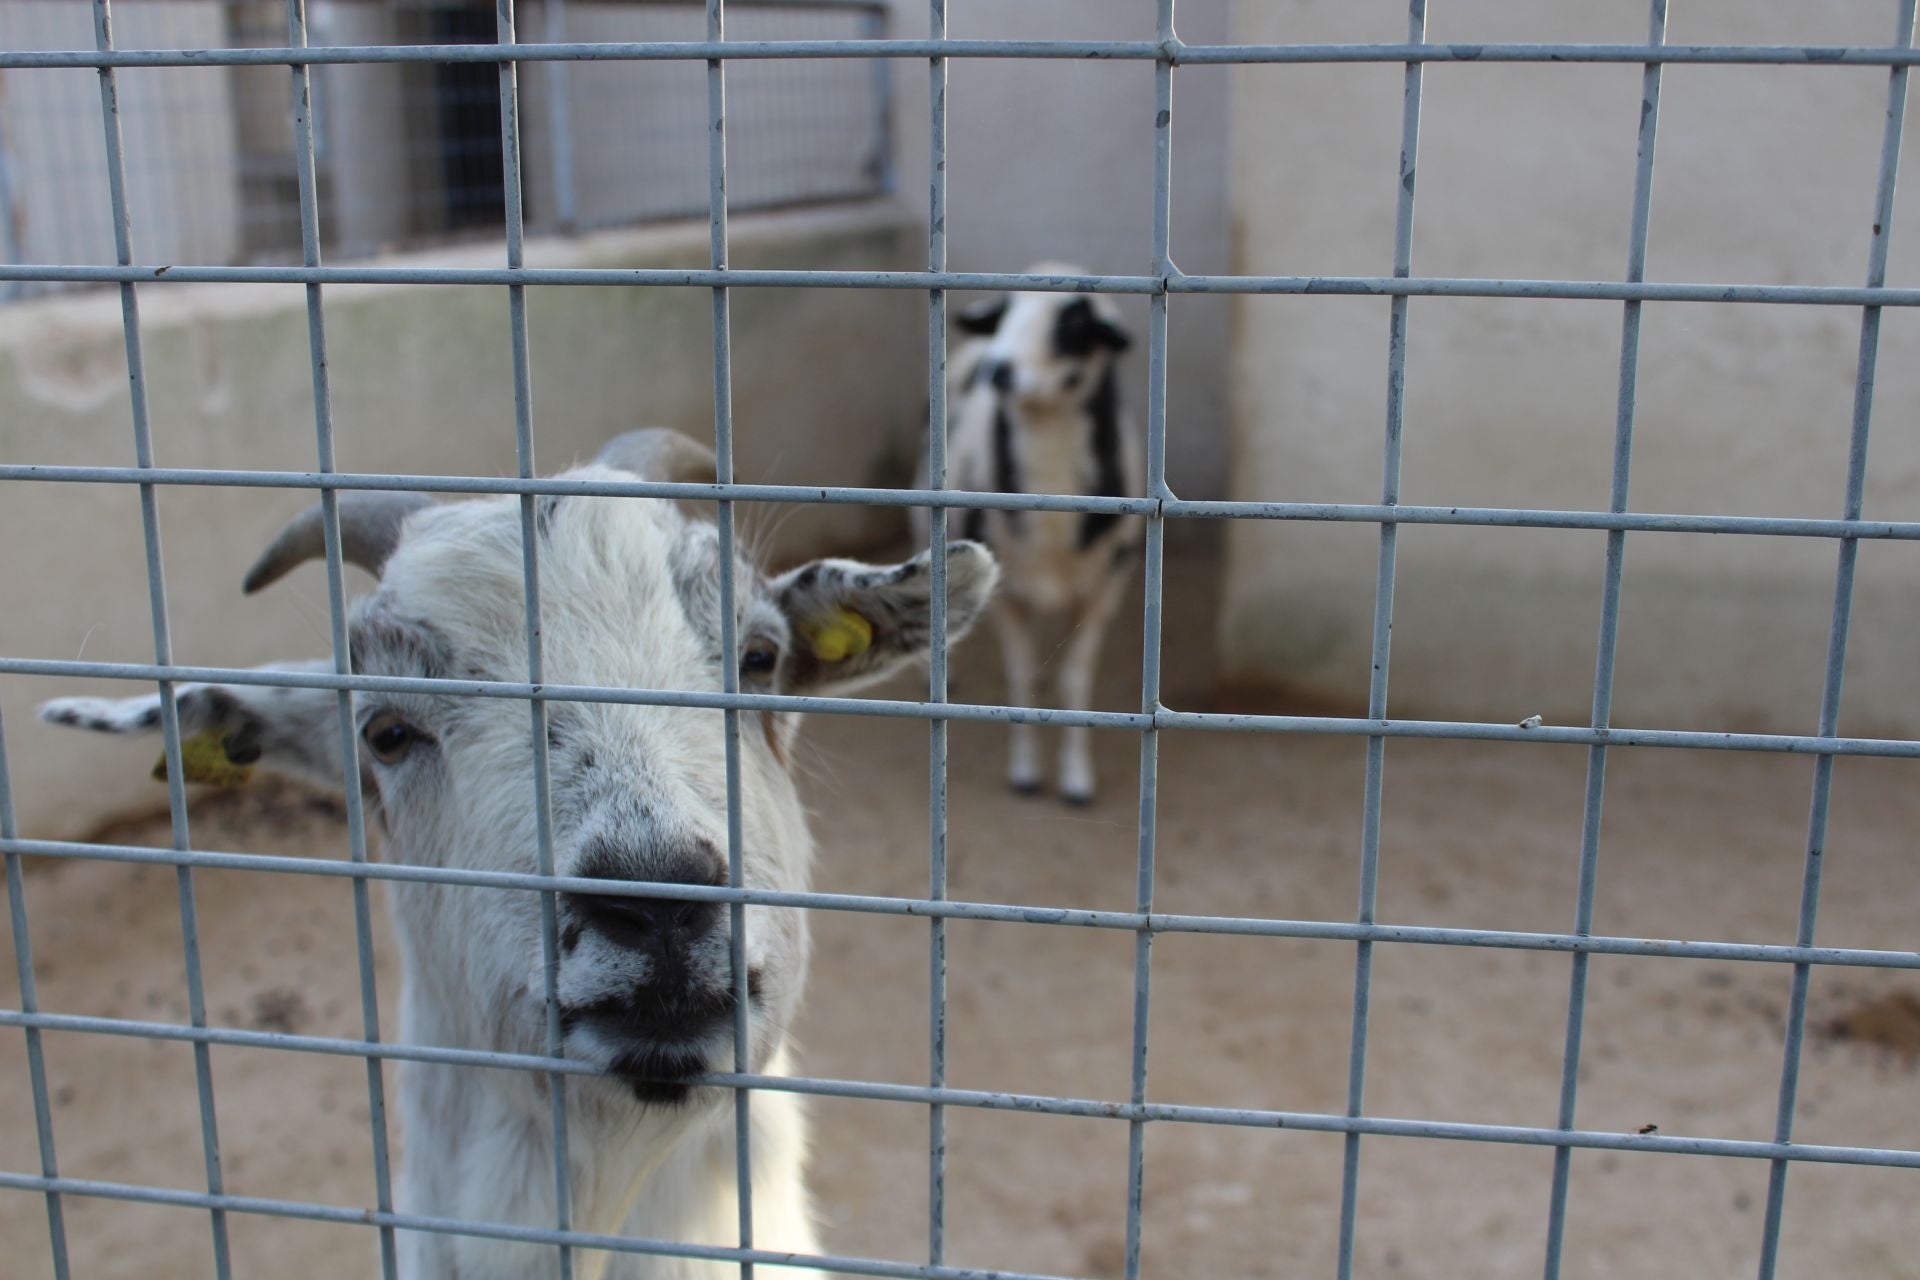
1054, 159
1765, 175
828, 386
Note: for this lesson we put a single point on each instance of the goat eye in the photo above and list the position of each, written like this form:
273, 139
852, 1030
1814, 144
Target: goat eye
1072, 379
759, 659
389, 737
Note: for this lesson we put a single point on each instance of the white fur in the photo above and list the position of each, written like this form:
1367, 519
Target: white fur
628, 595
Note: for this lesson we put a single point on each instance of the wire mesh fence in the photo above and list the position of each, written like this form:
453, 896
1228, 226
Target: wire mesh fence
500, 57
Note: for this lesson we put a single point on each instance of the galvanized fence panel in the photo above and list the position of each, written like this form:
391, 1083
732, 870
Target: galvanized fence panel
1157, 506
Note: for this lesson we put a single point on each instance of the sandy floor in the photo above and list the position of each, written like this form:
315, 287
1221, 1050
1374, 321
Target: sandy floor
1701, 845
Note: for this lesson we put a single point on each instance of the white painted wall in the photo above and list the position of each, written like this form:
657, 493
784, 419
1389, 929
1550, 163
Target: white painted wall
826, 384
1765, 175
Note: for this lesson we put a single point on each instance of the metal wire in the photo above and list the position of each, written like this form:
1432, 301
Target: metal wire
162, 642
1823, 765
1172, 51
1171, 507
1157, 506
1152, 570
1174, 282
1382, 641
1215, 721
342, 648
937, 626
29, 1005
729, 623
1605, 647
1131, 921
530, 578
1029, 1104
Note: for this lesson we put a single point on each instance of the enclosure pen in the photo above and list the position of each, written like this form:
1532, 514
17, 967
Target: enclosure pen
1159, 504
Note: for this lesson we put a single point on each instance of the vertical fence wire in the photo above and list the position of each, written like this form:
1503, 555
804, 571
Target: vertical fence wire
302, 89
1382, 637
717, 246
1837, 638
530, 579
30, 1003
937, 667
1151, 571
1606, 644
162, 639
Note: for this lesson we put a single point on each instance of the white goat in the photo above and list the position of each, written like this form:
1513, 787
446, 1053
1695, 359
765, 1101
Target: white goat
1033, 407
629, 598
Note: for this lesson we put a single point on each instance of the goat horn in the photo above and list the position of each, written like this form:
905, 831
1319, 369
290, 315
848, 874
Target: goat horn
655, 453
369, 531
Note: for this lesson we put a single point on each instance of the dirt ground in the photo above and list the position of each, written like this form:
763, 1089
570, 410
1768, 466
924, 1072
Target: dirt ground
1696, 845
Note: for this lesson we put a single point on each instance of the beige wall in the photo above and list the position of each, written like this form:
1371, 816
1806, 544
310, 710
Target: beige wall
1765, 175
828, 388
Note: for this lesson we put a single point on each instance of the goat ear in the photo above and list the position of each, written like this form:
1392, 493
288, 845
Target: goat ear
227, 729
856, 623
982, 319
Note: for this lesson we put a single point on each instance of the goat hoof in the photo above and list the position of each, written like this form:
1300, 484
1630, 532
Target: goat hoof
1078, 799
1025, 786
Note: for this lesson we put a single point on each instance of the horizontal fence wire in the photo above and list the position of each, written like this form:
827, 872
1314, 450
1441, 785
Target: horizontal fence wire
1163, 718
1001, 913
1171, 508
1172, 282
1174, 52
1165, 53
987, 1100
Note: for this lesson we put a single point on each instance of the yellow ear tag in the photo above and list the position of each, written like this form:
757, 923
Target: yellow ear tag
203, 759
836, 635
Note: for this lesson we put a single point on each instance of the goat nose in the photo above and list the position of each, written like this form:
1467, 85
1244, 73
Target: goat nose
1001, 376
655, 926
663, 929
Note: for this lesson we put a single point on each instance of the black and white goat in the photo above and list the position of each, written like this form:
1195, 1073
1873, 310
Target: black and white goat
1033, 406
